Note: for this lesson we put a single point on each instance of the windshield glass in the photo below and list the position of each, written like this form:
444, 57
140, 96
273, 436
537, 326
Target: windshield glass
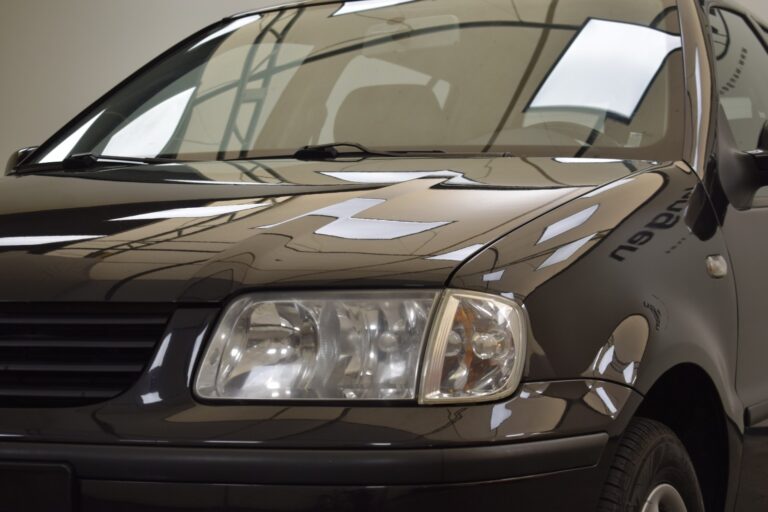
563, 78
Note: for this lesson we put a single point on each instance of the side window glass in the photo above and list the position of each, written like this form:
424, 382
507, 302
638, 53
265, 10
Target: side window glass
742, 75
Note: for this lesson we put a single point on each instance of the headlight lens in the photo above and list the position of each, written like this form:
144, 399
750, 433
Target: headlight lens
318, 346
364, 346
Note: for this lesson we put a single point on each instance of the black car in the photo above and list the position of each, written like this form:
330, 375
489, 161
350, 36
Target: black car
400, 255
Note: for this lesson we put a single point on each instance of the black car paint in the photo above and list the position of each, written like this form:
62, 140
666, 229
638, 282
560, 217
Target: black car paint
632, 303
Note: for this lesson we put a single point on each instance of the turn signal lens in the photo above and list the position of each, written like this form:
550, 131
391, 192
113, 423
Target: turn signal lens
476, 350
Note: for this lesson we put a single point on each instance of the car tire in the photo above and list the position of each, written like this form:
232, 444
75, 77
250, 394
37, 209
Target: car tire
651, 472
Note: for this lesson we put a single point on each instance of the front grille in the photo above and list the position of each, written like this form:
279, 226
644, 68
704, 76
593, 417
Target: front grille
65, 356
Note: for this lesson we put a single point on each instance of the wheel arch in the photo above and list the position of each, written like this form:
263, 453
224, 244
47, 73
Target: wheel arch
685, 398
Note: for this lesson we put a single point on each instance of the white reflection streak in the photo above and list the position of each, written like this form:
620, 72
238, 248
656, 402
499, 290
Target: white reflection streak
367, 5
567, 224
195, 351
226, 30
573, 160
345, 209
606, 400
194, 213
14, 241
212, 182
456, 178
608, 187
374, 229
62, 151
347, 227
699, 108
565, 252
495, 276
458, 255
150, 398
608, 67
606, 360
499, 415
161, 353
149, 133
629, 373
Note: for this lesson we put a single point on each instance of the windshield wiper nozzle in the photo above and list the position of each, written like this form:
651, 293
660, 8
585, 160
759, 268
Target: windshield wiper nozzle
332, 152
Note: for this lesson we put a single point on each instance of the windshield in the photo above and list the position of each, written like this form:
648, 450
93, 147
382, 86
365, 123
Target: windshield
562, 78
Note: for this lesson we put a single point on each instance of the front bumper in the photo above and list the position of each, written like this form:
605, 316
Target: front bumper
554, 474
154, 448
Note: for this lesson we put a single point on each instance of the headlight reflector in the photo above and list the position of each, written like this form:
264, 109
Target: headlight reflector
365, 346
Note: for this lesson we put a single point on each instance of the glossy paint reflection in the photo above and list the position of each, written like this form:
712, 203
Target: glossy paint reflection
552, 244
619, 359
297, 224
602, 53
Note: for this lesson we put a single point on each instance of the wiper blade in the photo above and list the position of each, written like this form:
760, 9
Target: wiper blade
333, 151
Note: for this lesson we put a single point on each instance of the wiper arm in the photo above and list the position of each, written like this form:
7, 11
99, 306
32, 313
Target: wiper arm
82, 161
332, 152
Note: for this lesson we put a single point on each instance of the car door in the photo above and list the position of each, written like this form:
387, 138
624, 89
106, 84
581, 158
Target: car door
740, 56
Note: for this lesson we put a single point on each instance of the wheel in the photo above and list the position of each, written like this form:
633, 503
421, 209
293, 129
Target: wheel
651, 472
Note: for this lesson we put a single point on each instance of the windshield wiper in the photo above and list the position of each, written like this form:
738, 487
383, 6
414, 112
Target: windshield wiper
86, 162
333, 151
83, 161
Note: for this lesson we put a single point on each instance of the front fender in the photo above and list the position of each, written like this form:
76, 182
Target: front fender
617, 287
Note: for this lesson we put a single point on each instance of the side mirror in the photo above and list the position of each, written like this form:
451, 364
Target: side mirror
762, 142
17, 158
760, 157
741, 173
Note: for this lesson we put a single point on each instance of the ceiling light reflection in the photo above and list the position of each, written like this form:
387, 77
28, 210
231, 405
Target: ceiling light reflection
194, 213
458, 255
492, 277
587, 160
367, 5
609, 186
214, 182
348, 227
608, 67
567, 224
20, 241
148, 134
456, 178
565, 252
63, 150
374, 229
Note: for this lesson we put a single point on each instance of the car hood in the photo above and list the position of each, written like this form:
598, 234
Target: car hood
205, 231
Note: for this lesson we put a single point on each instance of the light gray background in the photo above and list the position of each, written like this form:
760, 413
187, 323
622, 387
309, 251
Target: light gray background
58, 56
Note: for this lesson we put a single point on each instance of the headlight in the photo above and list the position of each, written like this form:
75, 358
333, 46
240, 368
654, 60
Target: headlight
365, 346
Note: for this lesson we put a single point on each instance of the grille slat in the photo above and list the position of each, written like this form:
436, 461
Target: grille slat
47, 393
84, 368
82, 321
59, 343
69, 355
